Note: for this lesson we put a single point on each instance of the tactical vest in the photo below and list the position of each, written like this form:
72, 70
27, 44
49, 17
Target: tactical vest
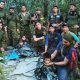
54, 19
53, 40
63, 52
73, 61
72, 19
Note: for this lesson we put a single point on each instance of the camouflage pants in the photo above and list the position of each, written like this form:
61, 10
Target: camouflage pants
4, 41
13, 37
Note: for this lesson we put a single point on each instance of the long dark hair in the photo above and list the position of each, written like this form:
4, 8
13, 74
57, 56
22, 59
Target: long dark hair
36, 23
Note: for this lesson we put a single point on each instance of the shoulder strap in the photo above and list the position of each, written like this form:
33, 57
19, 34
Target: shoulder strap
62, 46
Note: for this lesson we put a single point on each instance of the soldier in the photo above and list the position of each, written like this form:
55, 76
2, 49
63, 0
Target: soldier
39, 37
38, 16
2, 3
24, 18
2, 12
55, 18
13, 27
3, 18
2, 37
66, 60
72, 16
52, 40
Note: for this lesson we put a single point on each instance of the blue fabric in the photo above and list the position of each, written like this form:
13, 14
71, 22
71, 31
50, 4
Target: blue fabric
59, 45
75, 37
58, 40
26, 50
63, 73
46, 41
69, 54
13, 54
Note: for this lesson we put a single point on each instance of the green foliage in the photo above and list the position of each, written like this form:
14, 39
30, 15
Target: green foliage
33, 4
2, 76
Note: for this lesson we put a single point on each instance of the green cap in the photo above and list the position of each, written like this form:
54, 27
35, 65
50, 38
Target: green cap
68, 37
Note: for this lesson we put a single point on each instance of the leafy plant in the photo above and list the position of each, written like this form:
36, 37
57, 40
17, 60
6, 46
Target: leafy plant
2, 76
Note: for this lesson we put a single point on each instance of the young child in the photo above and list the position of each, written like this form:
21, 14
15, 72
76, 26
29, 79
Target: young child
49, 71
43, 72
24, 48
21, 42
47, 58
22, 45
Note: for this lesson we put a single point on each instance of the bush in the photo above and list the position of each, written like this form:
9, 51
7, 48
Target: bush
2, 76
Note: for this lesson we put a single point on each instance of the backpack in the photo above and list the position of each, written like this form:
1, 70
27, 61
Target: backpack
74, 64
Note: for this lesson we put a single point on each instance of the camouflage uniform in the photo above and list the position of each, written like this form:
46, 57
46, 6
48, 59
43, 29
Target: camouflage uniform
39, 45
2, 15
2, 39
72, 21
24, 23
72, 18
3, 19
13, 25
37, 18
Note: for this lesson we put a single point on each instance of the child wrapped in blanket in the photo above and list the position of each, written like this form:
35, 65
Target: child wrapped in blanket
24, 48
43, 72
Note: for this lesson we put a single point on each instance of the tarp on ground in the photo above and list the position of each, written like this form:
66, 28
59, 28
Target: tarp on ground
23, 69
